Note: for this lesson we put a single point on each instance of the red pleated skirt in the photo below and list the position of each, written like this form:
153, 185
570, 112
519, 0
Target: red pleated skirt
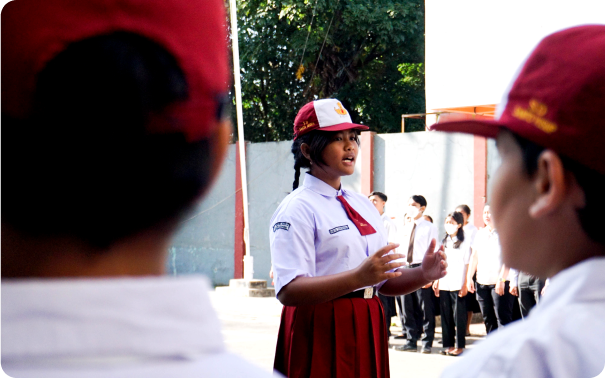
343, 338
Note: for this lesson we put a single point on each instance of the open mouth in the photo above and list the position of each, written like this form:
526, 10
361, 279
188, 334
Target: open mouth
348, 159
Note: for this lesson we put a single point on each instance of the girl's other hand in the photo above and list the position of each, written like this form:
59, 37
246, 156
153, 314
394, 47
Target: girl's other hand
374, 268
470, 286
463, 291
436, 288
434, 263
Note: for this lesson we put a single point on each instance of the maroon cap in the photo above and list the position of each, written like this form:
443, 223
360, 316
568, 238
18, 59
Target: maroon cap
557, 99
193, 31
326, 115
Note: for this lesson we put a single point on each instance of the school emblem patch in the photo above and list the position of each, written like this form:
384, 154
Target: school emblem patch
281, 226
338, 229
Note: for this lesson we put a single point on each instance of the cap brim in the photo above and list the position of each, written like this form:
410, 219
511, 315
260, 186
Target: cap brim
488, 129
344, 126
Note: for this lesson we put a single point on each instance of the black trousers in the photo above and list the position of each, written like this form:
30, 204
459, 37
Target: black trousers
530, 291
419, 315
497, 310
453, 318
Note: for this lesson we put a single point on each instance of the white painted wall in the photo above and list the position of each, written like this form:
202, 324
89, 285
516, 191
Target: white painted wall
474, 47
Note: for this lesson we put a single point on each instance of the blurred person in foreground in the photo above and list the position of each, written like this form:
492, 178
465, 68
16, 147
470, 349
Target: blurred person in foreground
547, 203
113, 113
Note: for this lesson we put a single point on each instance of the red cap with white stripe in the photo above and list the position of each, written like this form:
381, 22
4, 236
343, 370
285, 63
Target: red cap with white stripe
325, 115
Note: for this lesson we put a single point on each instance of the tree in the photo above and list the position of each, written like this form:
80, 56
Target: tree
367, 53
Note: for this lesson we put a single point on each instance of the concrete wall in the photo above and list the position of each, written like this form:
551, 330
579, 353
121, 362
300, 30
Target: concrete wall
438, 166
270, 175
204, 243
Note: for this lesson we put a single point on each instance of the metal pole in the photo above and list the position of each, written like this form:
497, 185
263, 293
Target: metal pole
248, 263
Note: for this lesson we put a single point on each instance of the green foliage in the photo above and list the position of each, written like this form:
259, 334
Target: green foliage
371, 60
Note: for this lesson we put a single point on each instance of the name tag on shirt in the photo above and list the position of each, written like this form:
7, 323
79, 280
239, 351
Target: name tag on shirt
338, 229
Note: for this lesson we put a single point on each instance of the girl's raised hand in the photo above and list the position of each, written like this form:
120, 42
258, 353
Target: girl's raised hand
434, 263
374, 268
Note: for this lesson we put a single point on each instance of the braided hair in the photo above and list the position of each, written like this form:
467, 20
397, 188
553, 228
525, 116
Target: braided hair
317, 141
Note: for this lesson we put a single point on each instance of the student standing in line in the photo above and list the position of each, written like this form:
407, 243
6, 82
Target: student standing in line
113, 112
493, 286
379, 200
548, 205
470, 230
418, 307
528, 290
451, 289
330, 254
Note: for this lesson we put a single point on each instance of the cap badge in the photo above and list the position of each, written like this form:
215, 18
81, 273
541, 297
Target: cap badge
534, 114
340, 110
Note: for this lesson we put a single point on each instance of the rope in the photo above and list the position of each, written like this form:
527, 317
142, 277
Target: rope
323, 44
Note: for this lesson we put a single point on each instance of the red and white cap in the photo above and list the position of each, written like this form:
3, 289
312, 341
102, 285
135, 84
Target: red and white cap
557, 99
193, 31
326, 115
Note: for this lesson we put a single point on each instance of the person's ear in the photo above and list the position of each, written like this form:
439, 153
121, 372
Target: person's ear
422, 208
306, 151
549, 185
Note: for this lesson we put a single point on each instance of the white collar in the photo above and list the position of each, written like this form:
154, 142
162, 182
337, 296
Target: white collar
114, 318
320, 187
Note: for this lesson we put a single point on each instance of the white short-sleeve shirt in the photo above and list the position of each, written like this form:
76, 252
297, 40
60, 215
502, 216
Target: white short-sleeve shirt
457, 262
561, 338
489, 257
470, 230
391, 228
311, 234
424, 233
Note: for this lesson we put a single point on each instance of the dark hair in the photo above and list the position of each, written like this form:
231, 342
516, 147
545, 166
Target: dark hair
458, 218
430, 217
592, 182
380, 195
83, 164
465, 208
419, 200
317, 141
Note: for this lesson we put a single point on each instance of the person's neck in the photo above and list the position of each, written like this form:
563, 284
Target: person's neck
333, 181
61, 257
490, 228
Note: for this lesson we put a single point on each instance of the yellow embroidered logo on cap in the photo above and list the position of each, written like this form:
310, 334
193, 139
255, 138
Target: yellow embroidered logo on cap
340, 110
534, 114
305, 125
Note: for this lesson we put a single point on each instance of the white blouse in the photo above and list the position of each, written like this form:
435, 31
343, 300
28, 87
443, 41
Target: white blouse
457, 262
489, 257
311, 234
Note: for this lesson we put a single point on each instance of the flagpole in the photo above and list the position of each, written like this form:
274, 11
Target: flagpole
248, 261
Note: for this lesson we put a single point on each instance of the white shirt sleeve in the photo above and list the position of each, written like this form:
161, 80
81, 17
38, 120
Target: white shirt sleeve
292, 237
434, 234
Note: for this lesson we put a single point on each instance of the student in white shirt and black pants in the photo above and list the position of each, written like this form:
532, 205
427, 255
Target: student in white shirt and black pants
451, 289
493, 286
418, 307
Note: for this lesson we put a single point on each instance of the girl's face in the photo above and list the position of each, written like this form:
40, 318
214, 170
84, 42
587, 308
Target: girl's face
451, 226
340, 154
487, 217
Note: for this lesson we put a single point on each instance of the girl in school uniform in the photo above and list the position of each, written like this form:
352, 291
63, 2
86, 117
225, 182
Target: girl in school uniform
330, 256
451, 289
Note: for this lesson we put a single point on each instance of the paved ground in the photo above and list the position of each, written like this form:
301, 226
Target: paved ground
250, 328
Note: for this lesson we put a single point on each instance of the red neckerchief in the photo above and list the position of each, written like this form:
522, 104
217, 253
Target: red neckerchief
362, 225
